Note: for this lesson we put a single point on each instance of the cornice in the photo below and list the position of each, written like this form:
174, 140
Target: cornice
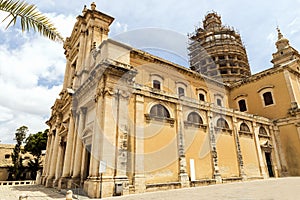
154, 59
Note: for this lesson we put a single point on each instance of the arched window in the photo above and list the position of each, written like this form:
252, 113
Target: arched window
244, 127
222, 123
180, 91
194, 117
242, 105
219, 102
262, 131
159, 111
156, 84
268, 99
201, 97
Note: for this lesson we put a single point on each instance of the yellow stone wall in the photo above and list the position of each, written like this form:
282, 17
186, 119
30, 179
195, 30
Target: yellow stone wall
254, 101
296, 86
198, 149
250, 157
227, 155
160, 148
290, 143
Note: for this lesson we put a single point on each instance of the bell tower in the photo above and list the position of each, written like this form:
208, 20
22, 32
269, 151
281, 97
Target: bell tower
285, 53
90, 29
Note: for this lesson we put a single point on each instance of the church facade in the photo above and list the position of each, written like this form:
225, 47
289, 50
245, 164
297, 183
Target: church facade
130, 122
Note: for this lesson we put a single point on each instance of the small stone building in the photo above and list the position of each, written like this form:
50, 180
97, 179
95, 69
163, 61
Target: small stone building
130, 122
6, 161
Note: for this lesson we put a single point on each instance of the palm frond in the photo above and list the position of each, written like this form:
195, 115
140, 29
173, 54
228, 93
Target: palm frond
30, 18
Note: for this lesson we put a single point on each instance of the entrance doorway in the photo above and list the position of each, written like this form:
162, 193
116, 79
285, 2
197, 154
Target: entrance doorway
269, 164
87, 161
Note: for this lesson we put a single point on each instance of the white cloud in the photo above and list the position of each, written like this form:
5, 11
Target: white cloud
30, 65
31, 72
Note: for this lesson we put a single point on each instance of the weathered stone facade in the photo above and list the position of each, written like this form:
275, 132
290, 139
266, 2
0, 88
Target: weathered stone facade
130, 122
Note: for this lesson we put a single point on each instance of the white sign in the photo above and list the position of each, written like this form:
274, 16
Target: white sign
102, 167
192, 170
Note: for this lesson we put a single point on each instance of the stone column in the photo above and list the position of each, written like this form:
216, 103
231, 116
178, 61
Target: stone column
96, 141
53, 161
67, 158
139, 176
76, 118
213, 148
60, 158
183, 176
79, 147
50, 153
238, 149
47, 158
262, 166
83, 164
282, 164
67, 74
95, 155
108, 146
277, 167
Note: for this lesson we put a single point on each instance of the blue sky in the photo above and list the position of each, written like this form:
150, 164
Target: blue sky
32, 67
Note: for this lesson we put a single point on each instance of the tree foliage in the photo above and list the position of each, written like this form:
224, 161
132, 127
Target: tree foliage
35, 143
17, 169
30, 18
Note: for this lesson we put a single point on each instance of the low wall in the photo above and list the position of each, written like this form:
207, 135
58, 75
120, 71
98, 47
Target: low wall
9, 183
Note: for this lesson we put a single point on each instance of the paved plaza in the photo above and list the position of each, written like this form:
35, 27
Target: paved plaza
271, 189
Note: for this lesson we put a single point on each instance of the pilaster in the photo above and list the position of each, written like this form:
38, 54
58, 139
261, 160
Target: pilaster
282, 165
121, 99
67, 158
79, 146
262, 166
213, 148
139, 176
238, 149
183, 176
52, 167
47, 159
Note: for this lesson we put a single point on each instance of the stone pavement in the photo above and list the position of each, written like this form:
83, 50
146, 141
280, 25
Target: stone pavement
271, 189
34, 192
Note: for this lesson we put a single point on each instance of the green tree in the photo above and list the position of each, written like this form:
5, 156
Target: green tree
17, 169
34, 144
30, 18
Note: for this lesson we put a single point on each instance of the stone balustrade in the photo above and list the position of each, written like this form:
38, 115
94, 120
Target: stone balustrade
9, 183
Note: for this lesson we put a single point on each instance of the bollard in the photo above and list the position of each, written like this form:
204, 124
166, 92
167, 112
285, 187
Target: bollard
23, 197
69, 195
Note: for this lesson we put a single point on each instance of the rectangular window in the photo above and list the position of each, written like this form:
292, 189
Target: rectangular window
268, 100
242, 105
180, 91
219, 102
201, 97
156, 84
